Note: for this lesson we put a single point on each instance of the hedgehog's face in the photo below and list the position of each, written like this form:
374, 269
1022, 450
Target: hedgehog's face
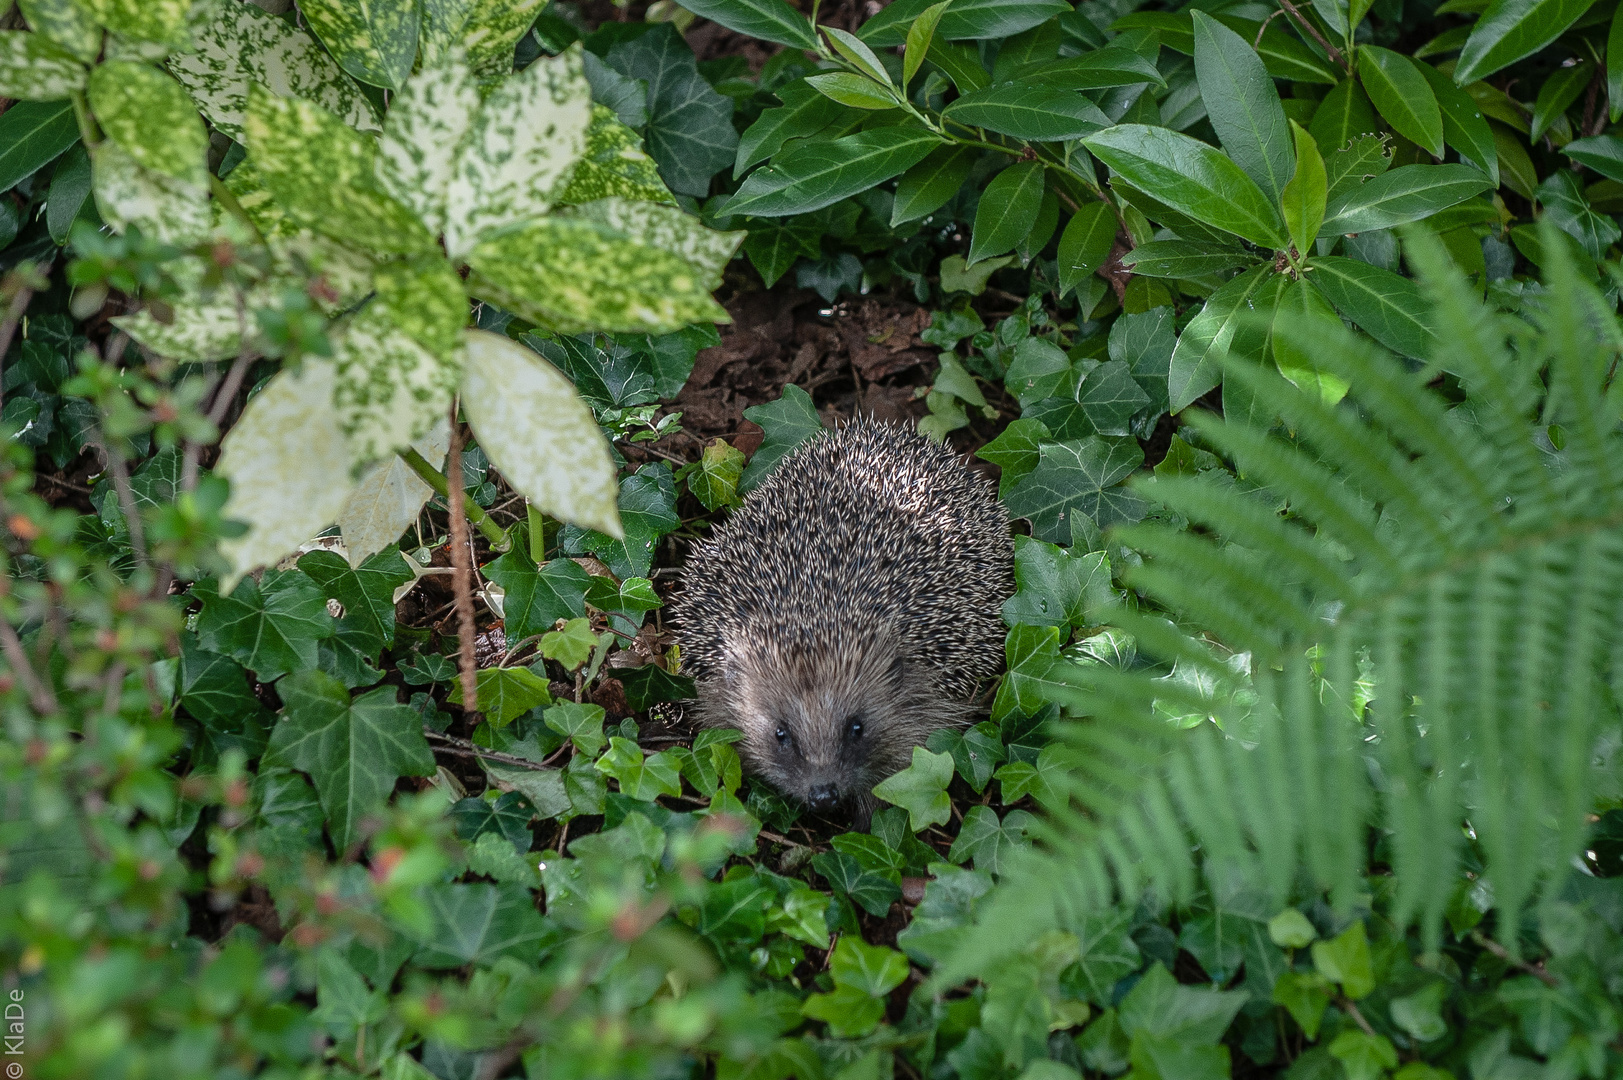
822, 725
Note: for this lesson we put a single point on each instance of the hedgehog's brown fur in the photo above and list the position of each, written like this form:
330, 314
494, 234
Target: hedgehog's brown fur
862, 581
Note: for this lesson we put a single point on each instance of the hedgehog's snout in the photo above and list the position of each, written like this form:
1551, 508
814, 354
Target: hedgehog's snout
822, 798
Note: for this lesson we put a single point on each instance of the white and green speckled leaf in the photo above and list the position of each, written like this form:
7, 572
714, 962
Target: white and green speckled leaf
202, 329
289, 466
165, 22
539, 433
297, 251
162, 207
322, 172
35, 68
426, 124
69, 23
489, 31
151, 118
523, 145
573, 275
374, 40
670, 229
243, 45
387, 498
424, 297
390, 390
614, 165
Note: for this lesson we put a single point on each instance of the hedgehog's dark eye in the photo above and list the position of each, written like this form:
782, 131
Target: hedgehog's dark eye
853, 730
783, 735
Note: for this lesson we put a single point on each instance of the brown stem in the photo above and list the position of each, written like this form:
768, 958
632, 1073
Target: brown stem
14, 310
227, 391
465, 748
462, 560
39, 693
1504, 954
1313, 31
126, 503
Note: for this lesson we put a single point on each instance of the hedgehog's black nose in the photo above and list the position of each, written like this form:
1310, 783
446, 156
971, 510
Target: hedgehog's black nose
823, 798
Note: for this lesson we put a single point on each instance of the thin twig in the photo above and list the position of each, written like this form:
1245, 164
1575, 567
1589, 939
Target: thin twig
14, 310
1333, 52
462, 559
227, 392
39, 693
464, 748
1504, 954
126, 503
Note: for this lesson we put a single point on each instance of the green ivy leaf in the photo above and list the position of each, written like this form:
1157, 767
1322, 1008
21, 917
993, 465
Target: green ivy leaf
1108, 955
494, 857
921, 789
535, 598
270, 627
975, 752
872, 890
571, 646
1109, 396
506, 693
652, 684
581, 724
215, 691
642, 778
690, 129
1160, 1007
715, 481
1058, 588
508, 816
988, 841
647, 512
545, 789
1290, 929
1016, 451
872, 969
479, 924
848, 1011
1345, 959
1364, 1056
422, 669
366, 593
787, 423
1078, 478
353, 751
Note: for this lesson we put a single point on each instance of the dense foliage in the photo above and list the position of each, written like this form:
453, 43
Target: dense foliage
350, 743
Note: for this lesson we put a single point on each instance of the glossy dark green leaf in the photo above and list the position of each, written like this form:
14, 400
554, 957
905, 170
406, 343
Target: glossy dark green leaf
1511, 29
690, 133
1614, 66
1302, 320
1361, 160
1603, 153
1085, 244
769, 20
787, 422
1283, 55
647, 512
927, 186
977, 751
1403, 195
1098, 69
816, 175
270, 627
1110, 396
214, 690
962, 64
652, 684
1464, 127
1556, 96
1387, 306
69, 191
508, 816
1242, 104
853, 90
1343, 115
1192, 178
919, 36
480, 923
366, 593
1057, 587
1303, 199
1028, 110
804, 112
1401, 94
354, 751
870, 889
988, 841
537, 597
964, 20
1015, 451
32, 135
1197, 361
1078, 477
1566, 207
1183, 259
1007, 210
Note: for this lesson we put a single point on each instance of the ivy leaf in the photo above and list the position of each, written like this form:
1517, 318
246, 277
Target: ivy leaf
1304, 995
733, 912
270, 626
988, 841
571, 646
787, 422
479, 924
1110, 396
652, 684
874, 891
715, 480
1031, 652
921, 789
546, 789
647, 512
506, 693
508, 816
1345, 959
1160, 1007
869, 851
538, 432
424, 669
1078, 478
493, 857
632, 597
1108, 955
1057, 587
581, 724
535, 598
214, 690
353, 751
690, 126
642, 778
366, 593
1016, 451
975, 751
849, 1012
803, 915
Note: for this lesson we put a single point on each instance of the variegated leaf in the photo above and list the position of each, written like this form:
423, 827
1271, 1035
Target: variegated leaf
489, 31
614, 165
204, 329
537, 431
426, 124
162, 207
243, 45
150, 117
35, 68
573, 275
164, 22
388, 497
374, 40
289, 466
525, 140
297, 251
390, 389
669, 228
322, 172
69, 23
425, 299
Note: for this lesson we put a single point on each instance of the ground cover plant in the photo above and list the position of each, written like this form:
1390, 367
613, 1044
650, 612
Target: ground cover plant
367, 370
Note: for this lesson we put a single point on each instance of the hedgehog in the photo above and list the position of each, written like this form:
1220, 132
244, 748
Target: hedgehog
850, 607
